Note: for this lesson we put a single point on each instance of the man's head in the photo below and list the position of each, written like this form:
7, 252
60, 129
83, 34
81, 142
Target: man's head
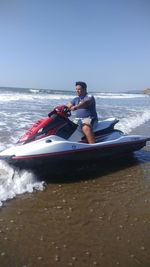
81, 88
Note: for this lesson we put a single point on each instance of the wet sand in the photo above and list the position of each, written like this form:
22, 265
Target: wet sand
100, 217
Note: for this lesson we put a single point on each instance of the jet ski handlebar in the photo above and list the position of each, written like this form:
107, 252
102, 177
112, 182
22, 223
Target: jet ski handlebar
63, 111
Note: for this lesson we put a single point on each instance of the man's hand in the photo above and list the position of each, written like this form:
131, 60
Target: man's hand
73, 108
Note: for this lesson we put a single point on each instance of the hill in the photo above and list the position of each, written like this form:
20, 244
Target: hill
146, 91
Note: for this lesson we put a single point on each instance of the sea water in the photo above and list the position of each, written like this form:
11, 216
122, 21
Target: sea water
19, 108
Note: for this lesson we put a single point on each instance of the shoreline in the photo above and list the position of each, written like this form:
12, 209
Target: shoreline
143, 129
103, 220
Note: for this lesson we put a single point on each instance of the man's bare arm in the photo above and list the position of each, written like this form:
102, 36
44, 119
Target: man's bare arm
83, 104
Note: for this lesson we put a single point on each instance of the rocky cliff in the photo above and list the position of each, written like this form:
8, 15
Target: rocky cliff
146, 91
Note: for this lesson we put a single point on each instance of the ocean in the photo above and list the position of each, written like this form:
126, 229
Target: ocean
19, 108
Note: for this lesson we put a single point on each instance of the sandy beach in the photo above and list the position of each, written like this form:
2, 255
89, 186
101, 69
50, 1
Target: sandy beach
100, 217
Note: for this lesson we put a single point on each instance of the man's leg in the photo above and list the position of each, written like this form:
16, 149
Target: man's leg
88, 133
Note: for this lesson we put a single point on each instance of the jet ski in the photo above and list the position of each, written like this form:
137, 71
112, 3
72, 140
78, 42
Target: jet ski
58, 140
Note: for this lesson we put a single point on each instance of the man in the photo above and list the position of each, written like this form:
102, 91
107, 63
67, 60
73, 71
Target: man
85, 107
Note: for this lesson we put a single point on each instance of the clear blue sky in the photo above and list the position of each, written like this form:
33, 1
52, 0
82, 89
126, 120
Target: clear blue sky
53, 43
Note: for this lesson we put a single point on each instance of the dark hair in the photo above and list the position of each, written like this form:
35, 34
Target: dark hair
82, 84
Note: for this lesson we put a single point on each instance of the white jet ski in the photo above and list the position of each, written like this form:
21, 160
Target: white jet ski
57, 140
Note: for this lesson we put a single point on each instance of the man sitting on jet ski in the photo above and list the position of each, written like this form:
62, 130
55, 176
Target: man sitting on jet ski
85, 107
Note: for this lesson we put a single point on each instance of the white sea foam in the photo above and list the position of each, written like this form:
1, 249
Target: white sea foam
2, 147
5, 97
129, 123
31, 97
13, 183
34, 91
118, 95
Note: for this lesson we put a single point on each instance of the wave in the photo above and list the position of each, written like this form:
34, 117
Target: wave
129, 123
49, 91
33, 91
13, 183
118, 95
31, 97
35, 95
39, 91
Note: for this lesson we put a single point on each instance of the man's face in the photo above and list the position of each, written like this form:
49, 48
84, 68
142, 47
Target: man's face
80, 91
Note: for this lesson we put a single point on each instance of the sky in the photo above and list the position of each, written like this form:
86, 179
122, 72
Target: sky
54, 43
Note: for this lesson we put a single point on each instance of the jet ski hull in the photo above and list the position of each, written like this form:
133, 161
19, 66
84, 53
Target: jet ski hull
46, 161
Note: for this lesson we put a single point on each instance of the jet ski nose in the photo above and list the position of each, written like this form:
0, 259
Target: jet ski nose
6, 157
